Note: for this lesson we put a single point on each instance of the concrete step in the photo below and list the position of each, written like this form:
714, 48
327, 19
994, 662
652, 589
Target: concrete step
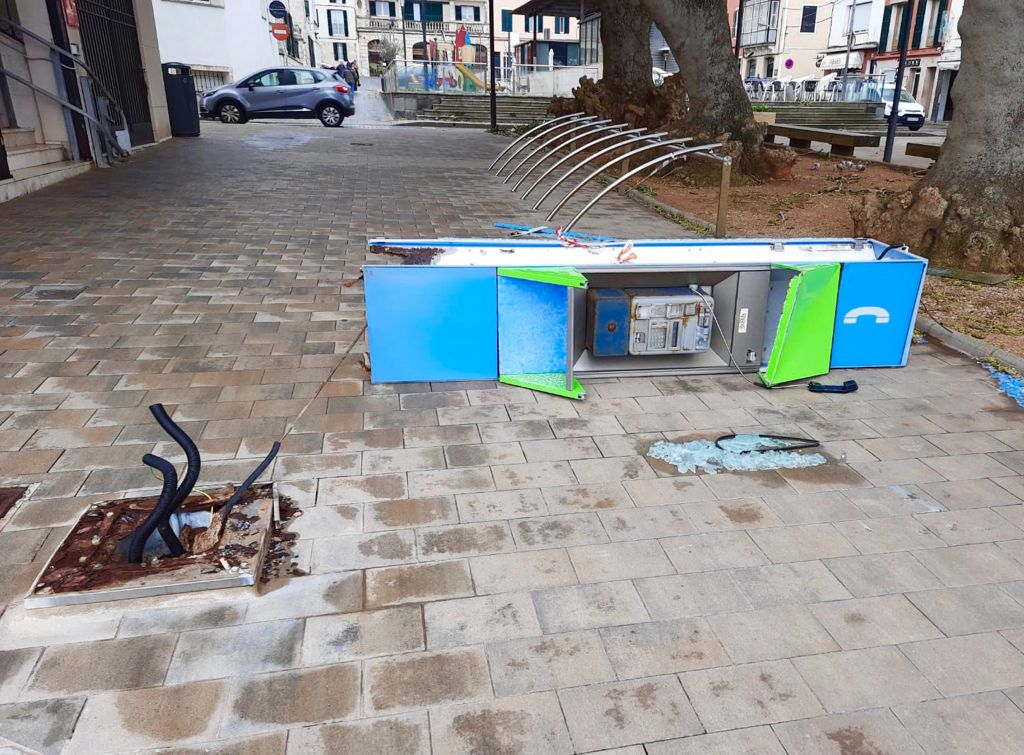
27, 180
32, 156
18, 137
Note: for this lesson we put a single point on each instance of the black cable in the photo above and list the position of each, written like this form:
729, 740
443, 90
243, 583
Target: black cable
795, 444
187, 445
159, 516
889, 249
240, 491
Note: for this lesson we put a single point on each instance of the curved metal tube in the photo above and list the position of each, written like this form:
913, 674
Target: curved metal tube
558, 140
187, 445
538, 135
620, 158
247, 483
644, 138
567, 158
615, 127
158, 517
672, 156
533, 130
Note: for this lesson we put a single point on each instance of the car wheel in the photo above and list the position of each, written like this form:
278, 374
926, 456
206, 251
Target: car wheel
231, 112
330, 115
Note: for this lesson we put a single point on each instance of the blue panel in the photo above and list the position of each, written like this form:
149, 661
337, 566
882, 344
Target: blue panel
531, 326
608, 319
432, 323
875, 313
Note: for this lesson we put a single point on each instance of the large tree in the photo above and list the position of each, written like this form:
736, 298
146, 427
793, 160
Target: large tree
968, 211
625, 40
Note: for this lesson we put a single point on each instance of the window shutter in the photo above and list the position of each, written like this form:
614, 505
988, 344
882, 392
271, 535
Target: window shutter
884, 36
919, 23
940, 17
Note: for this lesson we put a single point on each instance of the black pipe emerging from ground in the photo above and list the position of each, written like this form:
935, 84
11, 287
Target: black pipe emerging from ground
187, 445
159, 517
225, 510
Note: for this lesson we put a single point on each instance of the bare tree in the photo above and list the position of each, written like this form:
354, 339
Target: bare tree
389, 48
968, 211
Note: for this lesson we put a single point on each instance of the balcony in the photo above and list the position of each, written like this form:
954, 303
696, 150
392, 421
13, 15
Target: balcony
437, 28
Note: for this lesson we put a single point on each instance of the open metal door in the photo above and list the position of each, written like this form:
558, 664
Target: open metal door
801, 322
536, 338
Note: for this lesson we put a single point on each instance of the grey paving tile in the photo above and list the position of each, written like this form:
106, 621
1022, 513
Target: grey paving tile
869, 622
971, 565
606, 562
782, 584
473, 621
965, 665
882, 574
661, 647
755, 740
351, 636
869, 678
987, 723
771, 634
530, 724
868, 731
512, 572
232, 651
967, 610
567, 609
686, 595
554, 661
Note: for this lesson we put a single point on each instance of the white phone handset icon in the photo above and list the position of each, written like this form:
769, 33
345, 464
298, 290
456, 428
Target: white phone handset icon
880, 315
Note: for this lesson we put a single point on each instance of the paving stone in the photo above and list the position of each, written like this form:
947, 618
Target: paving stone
402, 460
575, 428
902, 472
471, 621
566, 609
756, 740
20, 629
364, 440
336, 490
310, 595
337, 520
532, 475
967, 610
139, 718
450, 481
667, 490
552, 662
781, 584
15, 668
875, 731
408, 512
531, 724
965, 665
570, 498
824, 478
231, 651
886, 535
883, 574
612, 469
986, 723
42, 726
407, 734
712, 551
364, 551
757, 693
307, 696
968, 443
973, 526
107, 665
501, 504
802, 542
771, 634
624, 560
260, 744
660, 647
558, 531
744, 484
417, 583
471, 415
512, 572
971, 565
484, 454
463, 540
867, 622
969, 467
894, 500
440, 436
499, 432
622, 713
732, 514
419, 680
686, 595
869, 678
350, 636
646, 523
813, 508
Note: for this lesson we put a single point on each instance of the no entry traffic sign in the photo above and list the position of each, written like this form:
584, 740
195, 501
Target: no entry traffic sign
280, 31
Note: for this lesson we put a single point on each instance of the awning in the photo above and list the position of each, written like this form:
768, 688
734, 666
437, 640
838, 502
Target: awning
549, 8
949, 65
837, 61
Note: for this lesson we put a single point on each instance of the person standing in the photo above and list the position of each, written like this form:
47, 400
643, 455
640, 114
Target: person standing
355, 72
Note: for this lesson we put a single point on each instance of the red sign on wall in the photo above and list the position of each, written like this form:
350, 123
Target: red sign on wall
70, 13
280, 31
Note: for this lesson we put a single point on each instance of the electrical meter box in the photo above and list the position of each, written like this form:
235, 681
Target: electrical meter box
648, 321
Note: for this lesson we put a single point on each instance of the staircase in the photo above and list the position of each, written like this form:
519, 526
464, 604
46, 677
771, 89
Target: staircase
34, 165
843, 116
475, 110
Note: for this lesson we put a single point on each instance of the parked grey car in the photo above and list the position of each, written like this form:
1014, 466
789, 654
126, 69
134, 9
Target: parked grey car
281, 93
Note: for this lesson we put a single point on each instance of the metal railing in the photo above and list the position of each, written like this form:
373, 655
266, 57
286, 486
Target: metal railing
100, 110
454, 77
858, 88
412, 28
581, 134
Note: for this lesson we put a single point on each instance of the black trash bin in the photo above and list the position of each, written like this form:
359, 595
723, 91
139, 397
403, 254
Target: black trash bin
182, 105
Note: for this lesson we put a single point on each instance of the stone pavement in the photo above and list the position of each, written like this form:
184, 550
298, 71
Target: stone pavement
492, 571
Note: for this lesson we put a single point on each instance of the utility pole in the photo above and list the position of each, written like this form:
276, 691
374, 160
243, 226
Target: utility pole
491, 68
894, 113
739, 28
849, 46
426, 47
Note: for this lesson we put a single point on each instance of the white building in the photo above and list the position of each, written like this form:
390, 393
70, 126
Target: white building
781, 38
859, 31
948, 63
337, 36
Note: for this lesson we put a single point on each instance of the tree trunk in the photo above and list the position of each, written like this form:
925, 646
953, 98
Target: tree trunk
968, 211
626, 42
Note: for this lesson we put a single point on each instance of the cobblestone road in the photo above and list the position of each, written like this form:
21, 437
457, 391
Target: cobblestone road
492, 571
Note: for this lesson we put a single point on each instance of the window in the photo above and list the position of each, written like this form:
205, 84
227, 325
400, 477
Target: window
808, 19
305, 78
752, 68
337, 23
891, 23
931, 30
268, 79
534, 23
760, 23
307, 8
769, 67
415, 10
506, 20
340, 51
382, 9
467, 12
9, 9
561, 24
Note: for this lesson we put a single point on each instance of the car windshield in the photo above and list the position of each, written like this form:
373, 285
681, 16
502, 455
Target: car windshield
905, 96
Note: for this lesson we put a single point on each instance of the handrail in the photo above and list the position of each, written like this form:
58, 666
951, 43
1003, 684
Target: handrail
546, 128
528, 134
578, 150
560, 139
616, 127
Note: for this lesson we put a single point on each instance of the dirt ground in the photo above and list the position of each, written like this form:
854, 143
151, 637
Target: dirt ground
817, 202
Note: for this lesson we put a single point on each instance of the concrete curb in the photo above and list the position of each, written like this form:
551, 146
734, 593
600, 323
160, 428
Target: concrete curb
670, 212
972, 347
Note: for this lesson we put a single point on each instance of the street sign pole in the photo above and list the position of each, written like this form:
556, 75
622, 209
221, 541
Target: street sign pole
739, 28
491, 68
897, 90
426, 47
849, 47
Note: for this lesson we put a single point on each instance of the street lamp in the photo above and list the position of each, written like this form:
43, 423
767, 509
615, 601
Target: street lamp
490, 66
894, 112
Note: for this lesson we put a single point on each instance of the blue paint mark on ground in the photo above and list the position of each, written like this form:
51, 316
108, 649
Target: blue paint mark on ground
1011, 385
709, 458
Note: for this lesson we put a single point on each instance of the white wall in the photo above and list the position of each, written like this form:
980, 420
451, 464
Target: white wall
235, 36
867, 23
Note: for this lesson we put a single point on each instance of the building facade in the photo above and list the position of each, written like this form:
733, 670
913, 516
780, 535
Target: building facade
535, 40
336, 31
779, 38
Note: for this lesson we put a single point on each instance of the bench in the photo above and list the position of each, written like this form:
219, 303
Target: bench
843, 142
919, 149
